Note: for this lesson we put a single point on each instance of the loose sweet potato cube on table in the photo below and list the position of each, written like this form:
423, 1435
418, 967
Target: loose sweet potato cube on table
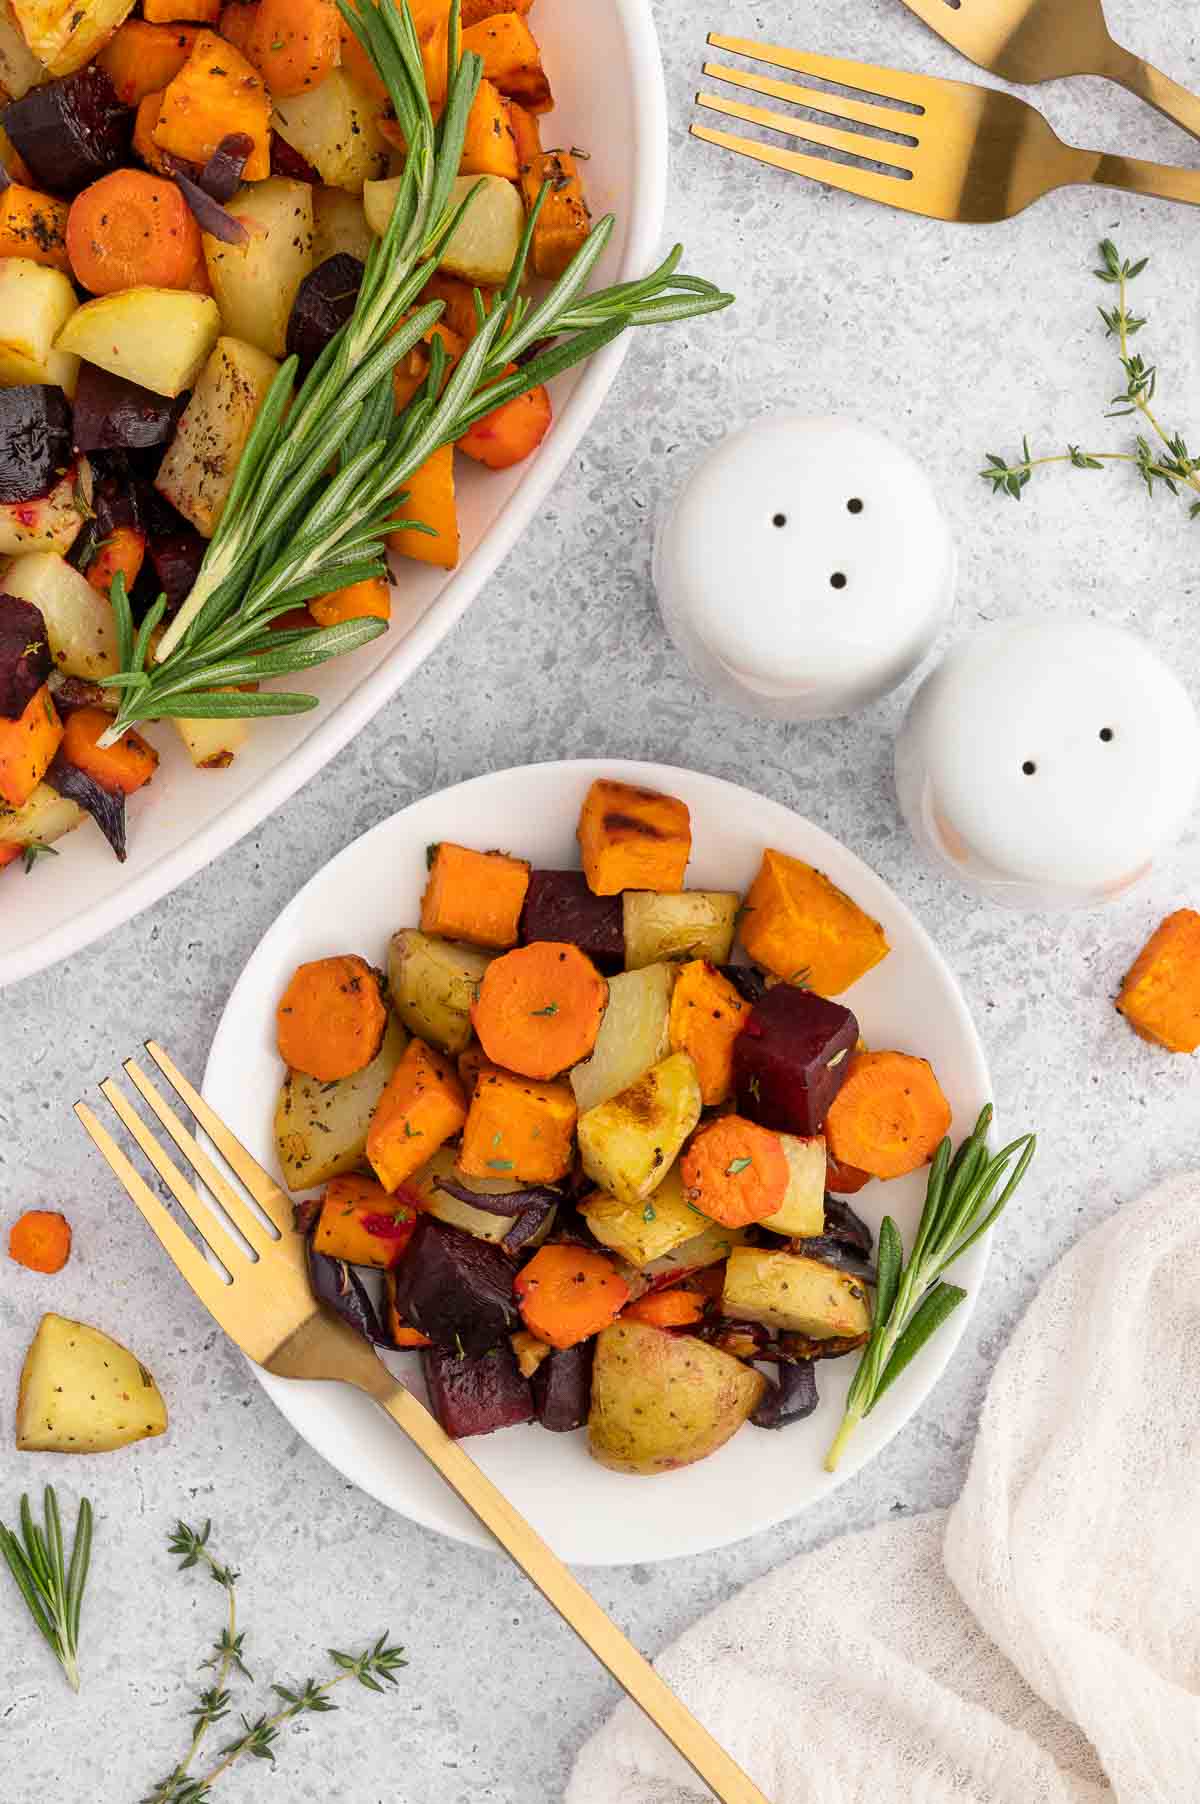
632, 838
1160, 997
802, 928
511, 59
474, 896
707, 1015
430, 499
791, 1058
361, 1223
422, 1106
519, 1128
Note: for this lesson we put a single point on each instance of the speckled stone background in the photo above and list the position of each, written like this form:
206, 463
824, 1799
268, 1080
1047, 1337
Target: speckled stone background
953, 341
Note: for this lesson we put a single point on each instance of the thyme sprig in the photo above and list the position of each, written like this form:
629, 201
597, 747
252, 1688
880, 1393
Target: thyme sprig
52, 1588
373, 1668
1159, 456
288, 531
912, 1301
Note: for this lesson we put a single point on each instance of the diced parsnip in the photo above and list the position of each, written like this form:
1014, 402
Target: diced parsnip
159, 337
49, 522
212, 744
802, 1214
487, 240
66, 34
629, 1143
255, 284
20, 69
339, 225
321, 1128
197, 473
796, 1294
81, 1392
457, 1214
335, 127
643, 1232
79, 620
35, 304
45, 817
432, 984
692, 923
709, 1247
634, 1034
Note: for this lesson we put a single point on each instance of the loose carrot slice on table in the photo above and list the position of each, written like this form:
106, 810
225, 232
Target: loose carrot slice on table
889, 1115
566, 1294
40, 1240
633, 838
518, 1128
474, 896
131, 229
362, 1223
735, 1172
331, 1018
27, 748
539, 1008
429, 499
34, 226
666, 1309
140, 57
421, 1108
121, 768
295, 44
122, 551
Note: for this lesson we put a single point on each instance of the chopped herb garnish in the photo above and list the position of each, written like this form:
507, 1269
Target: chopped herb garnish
551, 1008
37, 850
500, 1164
412, 1133
837, 1058
648, 1213
738, 1165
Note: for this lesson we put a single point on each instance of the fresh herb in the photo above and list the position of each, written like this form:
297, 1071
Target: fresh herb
213, 1704
912, 1301
831, 1064
799, 979
412, 1133
52, 1588
500, 1164
1172, 464
35, 850
288, 532
736, 1166
648, 1213
551, 1008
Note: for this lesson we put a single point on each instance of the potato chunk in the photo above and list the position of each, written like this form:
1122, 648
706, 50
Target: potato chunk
35, 305
485, 245
79, 620
643, 1232
660, 1402
796, 1294
158, 337
802, 1213
49, 522
81, 1392
335, 127
629, 1143
633, 1034
432, 984
255, 284
197, 472
321, 1129
66, 34
690, 924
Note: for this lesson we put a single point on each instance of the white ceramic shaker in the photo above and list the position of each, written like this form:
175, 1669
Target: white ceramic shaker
805, 568
1048, 762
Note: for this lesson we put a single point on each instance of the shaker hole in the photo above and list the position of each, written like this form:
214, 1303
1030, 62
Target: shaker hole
1107, 735
855, 506
779, 520
1029, 767
838, 580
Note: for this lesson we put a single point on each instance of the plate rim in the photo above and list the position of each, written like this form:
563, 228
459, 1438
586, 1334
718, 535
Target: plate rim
645, 216
660, 776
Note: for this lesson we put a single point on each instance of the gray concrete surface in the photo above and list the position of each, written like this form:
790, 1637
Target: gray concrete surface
955, 342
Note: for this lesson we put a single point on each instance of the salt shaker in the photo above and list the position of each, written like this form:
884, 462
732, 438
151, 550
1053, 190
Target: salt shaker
805, 568
1048, 762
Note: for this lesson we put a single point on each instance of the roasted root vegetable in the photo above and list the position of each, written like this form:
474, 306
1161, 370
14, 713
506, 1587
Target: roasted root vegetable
676, 1308
567, 1294
25, 660
562, 1387
122, 553
81, 1392
27, 748
795, 1294
215, 93
456, 1289
802, 1212
845, 1180
560, 906
687, 924
474, 896
35, 305
40, 1240
337, 1284
422, 1106
432, 984
400, 1333
157, 337
1160, 997
791, 1059
889, 1116
45, 818
50, 522
169, 12
634, 1034
429, 500
475, 10
440, 1187
123, 768
34, 225
488, 145
643, 1232
563, 221
256, 284
331, 1017
512, 432
633, 838
516, 1126
79, 622
131, 229
629, 1143
295, 44
202, 459
484, 245
735, 1172
802, 928
70, 131
511, 59
661, 1401
357, 601
361, 1223
476, 1394
321, 1128
539, 1008
707, 1015
325, 300
335, 128
142, 58
340, 226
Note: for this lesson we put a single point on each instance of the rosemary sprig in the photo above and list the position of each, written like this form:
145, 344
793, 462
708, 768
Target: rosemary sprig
1171, 463
912, 1301
52, 1589
374, 1667
288, 531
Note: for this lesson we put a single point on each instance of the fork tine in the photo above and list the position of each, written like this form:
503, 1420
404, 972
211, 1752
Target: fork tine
261, 1185
194, 1268
868, 78
885, 188
856, 144
885, 118
240, 1214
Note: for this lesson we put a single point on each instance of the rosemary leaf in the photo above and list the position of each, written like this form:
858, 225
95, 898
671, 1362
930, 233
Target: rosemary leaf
53, 1592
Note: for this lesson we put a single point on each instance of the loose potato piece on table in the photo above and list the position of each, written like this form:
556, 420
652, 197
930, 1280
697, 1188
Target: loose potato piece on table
802, 928
516, 1125
1160, 997
331, 1018
422, 1106
633, 838
634, 1034
474, 896
629, 1143
433, 983
321, 1128
660, 1401
795, 1294
81, 1392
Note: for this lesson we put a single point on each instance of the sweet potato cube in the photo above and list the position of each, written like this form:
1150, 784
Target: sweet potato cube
633, 838
791, 1059
474, 896
475, 10
430, 499
215, 93
802, 928
518, 1127
707, 1015
27, 747
511, 59
422, 1106
1160, 998
34, 225
458, 299
361, 1223
488, 146
143, 57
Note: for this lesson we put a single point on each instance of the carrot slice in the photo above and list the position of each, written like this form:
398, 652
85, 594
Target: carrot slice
539, 1008
130, 230
735, 1171
121, 768
34, 226
889, 1115
666, 1309
566, 1294
123, 550
371, 598
40, 1240
331, 1018
27, 748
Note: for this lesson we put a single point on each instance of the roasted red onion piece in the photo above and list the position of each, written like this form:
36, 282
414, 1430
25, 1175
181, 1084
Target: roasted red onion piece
508, 1202
527, 1225
841, 1223
222, 174
324, 302
209, 214
339, 1285
106, 806
791, 1399
562, 1387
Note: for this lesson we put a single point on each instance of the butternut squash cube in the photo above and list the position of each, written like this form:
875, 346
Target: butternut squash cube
361, 1223
707, 1015
633, 838
803, 929
488, 144
511, 59
421, 1108
518, 1127
474, 896
430, 500
216, 92
1160, 997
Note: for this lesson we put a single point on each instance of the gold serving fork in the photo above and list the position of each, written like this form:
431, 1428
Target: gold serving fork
1041, 40
952, 150
266, 1306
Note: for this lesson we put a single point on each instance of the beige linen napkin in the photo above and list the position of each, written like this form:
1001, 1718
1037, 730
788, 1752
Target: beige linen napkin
1037, 1644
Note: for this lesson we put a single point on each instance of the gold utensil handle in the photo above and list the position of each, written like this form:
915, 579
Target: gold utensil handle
1166, 96
576, 1607
1162, 181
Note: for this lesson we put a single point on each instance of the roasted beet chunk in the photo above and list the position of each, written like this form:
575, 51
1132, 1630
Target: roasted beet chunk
456, 1289
791, 1399
289, 162
562, 1387
475, 1396
324, 302
25, 660
112, 414
339, 1285
35, 441
747, 980
71, 131
560, 906
177, 557
789, 1061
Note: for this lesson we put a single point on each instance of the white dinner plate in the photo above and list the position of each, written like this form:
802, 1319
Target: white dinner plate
911, 1001
603, 62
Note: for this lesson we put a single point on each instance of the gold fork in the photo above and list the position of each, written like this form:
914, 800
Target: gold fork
268, 1309
953, 150
1041, 40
